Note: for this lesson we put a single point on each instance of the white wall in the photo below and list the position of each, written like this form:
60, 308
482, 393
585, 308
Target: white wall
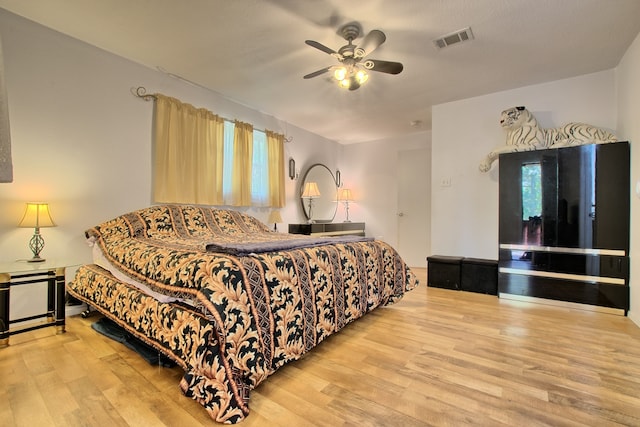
628, 85
370, 169
464, 215
82, 142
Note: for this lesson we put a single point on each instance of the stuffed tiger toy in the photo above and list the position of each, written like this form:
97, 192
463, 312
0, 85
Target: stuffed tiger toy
524, 134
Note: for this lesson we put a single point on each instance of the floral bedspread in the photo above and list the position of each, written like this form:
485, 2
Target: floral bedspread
251, 314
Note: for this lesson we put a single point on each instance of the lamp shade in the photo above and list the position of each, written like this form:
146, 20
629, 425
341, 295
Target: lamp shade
37, 215
274, 217
311, 190
345, 195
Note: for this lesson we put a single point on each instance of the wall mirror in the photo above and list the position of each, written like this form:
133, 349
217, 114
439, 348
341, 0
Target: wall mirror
323, 208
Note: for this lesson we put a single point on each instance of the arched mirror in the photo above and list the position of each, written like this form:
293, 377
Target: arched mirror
319, 200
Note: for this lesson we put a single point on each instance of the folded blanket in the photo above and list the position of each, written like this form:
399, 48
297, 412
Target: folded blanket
247, 248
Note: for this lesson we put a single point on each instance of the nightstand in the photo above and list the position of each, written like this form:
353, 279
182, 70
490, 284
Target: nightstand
20, 273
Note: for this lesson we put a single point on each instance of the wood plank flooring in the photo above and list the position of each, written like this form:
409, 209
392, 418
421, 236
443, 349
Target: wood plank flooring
438, 358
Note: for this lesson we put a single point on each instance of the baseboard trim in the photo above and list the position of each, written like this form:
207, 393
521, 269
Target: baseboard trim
635, 319
74, 310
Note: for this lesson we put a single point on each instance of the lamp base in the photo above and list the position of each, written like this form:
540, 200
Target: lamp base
36, 244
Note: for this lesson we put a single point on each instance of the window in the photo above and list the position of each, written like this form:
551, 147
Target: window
201, 158
228, 160
260, 170
259, 167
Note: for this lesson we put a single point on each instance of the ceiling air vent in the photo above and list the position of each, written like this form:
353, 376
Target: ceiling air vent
452, 38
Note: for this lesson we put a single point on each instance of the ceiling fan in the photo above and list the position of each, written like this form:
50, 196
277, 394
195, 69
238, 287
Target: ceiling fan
351, 73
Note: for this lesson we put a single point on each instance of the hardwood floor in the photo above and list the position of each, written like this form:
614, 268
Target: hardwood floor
438, 357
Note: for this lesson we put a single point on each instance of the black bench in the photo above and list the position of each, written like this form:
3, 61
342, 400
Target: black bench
479, 275
460, 273
443, 271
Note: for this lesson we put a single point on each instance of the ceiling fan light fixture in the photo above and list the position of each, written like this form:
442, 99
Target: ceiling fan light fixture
353, 83
351, 78
361, 76
353, 68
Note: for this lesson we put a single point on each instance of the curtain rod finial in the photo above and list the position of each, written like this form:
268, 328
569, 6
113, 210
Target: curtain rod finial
141, 92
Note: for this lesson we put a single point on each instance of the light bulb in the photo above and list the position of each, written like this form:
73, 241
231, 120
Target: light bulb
340, 73
361, 76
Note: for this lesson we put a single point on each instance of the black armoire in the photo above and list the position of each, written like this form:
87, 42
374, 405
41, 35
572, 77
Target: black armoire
564, 225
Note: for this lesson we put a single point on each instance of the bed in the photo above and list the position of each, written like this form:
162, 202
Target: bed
228, 299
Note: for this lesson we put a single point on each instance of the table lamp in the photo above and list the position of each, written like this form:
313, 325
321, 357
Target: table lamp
310, 192
275, 218
36, 215
345, 197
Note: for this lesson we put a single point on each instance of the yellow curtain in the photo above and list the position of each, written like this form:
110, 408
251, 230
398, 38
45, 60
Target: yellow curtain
275, 147
242, 161
188, 153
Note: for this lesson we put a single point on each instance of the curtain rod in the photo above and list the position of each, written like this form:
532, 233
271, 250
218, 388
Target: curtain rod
141, 92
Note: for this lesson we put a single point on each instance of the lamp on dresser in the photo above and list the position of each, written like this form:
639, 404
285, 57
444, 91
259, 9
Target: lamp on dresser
345, 197
310, 192
36, 215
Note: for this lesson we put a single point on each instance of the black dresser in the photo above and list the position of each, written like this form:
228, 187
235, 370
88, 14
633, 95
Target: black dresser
328, 229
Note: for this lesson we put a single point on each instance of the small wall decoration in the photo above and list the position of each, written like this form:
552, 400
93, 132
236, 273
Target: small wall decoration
525, 134
292, 168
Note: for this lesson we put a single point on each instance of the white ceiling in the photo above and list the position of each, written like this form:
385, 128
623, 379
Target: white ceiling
253, 51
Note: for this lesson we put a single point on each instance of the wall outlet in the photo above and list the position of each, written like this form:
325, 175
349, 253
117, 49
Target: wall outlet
445, 182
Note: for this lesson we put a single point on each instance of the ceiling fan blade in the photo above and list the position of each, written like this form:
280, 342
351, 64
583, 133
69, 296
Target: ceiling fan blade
388, 67
317, 73
321, 47
370, 43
